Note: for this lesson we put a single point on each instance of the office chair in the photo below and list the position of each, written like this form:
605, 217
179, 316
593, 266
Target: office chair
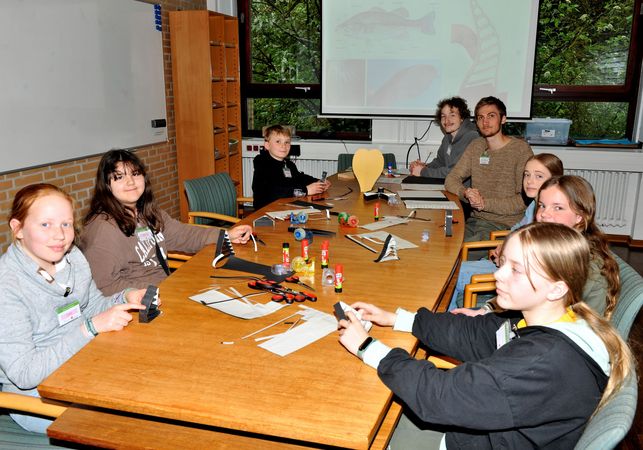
213, 199
610, 425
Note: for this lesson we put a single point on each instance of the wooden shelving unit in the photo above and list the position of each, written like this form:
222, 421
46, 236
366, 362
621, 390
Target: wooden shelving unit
206, 91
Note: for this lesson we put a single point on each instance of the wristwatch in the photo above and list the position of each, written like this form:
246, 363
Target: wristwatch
363, 346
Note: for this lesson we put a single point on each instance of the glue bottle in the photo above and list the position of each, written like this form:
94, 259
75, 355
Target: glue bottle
376, 211
339, 278
285, 254
304, 249
324, 254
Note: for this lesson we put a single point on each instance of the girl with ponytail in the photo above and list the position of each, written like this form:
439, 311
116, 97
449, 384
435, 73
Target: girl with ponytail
531, 379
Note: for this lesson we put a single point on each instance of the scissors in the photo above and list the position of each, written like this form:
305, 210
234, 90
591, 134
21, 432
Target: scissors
281, 293
258, 239
295, 279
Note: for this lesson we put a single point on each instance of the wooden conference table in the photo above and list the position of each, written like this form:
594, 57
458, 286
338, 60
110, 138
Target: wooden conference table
171, 383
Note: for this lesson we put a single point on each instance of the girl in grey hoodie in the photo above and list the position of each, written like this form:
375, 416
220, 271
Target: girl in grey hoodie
49, 305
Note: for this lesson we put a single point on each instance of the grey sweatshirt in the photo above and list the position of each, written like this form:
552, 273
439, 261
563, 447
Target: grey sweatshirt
32, 342
446, 160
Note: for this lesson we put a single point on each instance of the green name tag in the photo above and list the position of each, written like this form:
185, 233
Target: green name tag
68, 312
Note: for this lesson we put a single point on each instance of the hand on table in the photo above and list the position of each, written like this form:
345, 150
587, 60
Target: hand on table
317, 187
240, 234
115, 318
134, 296
374, 314
351, 333
416, 167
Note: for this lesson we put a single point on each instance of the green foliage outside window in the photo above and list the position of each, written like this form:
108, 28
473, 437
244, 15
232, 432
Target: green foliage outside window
286, 41
583, 42
580, 43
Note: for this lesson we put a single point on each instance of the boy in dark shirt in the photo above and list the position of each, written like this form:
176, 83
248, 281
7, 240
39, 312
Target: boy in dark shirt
275, 175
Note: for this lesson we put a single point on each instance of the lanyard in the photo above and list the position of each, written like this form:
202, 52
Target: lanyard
160, 256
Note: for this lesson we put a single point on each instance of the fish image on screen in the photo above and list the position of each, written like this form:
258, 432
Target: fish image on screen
409, 85
382, 23
383, 59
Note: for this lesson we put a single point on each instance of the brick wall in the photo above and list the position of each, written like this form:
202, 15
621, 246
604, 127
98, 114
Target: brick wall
77, 177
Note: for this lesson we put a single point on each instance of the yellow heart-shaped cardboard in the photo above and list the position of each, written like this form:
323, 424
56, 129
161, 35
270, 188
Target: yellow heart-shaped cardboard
367, 167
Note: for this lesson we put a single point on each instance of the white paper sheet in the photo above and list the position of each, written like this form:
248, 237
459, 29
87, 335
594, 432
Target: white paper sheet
237, 308
395, 179
376, 239
422, 187
315, 326
421, 194
427, 204
385, 222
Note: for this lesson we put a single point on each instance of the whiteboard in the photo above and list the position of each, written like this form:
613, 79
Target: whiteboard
78, 77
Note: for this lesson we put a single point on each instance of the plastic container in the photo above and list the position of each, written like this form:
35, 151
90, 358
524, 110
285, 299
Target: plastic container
548, 131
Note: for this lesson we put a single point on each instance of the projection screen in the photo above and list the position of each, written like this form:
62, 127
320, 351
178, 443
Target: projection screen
399, 58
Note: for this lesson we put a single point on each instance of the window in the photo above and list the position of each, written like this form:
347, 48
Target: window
587, 67
281, 70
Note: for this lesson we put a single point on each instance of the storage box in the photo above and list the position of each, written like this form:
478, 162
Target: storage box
548, 131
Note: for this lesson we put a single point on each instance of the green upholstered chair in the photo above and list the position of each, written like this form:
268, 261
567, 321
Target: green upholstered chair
630, 298
345, 161
610, 425
213, 199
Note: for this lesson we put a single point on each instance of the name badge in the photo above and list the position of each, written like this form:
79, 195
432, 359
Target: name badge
287, 173
68, 312
504, 334
144, 234
484, 160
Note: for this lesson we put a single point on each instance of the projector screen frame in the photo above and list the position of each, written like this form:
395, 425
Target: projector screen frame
355, 24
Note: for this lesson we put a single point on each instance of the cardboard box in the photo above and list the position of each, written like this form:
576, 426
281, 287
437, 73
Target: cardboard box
548, 131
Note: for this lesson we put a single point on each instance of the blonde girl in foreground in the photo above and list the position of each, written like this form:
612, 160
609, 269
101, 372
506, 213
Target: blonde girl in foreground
525, 382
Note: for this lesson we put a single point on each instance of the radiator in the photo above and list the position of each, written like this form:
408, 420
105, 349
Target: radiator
312, 167
611, 191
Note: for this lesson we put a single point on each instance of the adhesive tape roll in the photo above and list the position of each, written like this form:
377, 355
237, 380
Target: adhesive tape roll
300, 234
302, 217
353, 221
342, 217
